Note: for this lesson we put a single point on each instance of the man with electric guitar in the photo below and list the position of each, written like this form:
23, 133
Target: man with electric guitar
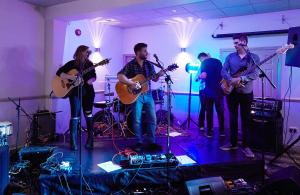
239, 71
79, 64
134, 87
242, 90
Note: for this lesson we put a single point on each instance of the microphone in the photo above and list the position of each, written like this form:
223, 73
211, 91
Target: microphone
156, 58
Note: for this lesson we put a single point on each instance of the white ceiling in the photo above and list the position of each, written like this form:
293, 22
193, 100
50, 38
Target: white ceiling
205, 9
47, 3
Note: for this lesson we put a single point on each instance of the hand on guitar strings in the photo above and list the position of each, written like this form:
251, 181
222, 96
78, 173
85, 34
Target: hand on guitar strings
135, 86
236, 82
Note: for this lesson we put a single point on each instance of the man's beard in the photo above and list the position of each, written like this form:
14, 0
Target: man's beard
143, 57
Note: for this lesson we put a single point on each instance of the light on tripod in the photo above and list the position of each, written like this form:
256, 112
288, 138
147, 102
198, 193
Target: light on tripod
192, 68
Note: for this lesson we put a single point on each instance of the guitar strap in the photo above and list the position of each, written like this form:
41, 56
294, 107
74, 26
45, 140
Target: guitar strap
250, 64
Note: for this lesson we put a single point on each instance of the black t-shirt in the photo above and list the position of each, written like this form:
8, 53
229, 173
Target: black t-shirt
213, 69
87, 89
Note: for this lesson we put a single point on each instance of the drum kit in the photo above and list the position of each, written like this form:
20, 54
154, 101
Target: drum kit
115, 118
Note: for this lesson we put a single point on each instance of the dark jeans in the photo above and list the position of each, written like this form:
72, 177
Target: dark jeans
209, 104
144, 102
202, 109
234, 100
87, 107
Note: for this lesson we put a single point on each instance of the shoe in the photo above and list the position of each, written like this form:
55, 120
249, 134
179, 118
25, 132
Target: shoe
154, 147
209, 134
248, 152
228, 147
137, 147
201, 128
222, 133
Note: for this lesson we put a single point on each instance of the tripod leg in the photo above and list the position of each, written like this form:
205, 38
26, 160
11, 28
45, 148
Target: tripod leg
284, 151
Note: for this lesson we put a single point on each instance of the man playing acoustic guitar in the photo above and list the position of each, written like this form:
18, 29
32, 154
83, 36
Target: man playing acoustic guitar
242, 94
140, 65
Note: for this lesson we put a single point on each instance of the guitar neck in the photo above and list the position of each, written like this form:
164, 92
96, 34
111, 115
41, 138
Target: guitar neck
267, 59
150, 78
242, 70
91, 68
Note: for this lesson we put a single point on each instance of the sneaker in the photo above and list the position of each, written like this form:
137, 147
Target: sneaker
228, 147
209, 134
248, 152
201, 128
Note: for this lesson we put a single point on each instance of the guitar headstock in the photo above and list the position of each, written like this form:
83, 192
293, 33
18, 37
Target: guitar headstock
172, 67
103, 62
284, 49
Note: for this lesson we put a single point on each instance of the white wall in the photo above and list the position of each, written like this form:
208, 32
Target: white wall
21, 59
111, 48
161, 40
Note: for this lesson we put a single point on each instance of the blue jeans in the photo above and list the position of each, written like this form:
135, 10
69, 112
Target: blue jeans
144, 102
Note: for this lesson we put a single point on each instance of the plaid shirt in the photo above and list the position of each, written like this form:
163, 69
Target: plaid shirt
132, 68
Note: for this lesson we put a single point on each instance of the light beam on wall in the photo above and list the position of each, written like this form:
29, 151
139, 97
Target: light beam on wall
183, 29
97, 27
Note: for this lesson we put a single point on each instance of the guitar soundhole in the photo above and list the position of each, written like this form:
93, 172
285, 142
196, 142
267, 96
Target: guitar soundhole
63, 84
135, 91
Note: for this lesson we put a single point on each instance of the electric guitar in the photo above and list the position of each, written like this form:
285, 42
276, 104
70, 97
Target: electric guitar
62, 87
128, 95
228, 87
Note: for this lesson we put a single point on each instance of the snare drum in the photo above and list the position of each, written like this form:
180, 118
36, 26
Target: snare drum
6, 128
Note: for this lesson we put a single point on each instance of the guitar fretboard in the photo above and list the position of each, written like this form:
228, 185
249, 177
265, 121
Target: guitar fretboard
93, 67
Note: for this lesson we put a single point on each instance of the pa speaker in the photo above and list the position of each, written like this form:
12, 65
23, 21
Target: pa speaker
286, 181
206, 186
4, 163
293, 55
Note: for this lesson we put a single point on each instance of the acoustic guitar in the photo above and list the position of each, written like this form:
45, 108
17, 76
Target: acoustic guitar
62, 87
228, 87
128, 95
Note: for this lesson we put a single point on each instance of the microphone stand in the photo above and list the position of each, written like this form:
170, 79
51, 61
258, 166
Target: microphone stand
169, 154
19, 108
80, 88
262, 75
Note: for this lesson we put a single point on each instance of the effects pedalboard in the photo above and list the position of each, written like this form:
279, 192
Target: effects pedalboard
148, 160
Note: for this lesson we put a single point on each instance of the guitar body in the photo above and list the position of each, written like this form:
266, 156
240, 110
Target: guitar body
126, 95
226, 87
62, 87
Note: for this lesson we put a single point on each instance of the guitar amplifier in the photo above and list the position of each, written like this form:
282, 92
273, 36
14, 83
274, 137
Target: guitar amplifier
266, 133
43, 127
